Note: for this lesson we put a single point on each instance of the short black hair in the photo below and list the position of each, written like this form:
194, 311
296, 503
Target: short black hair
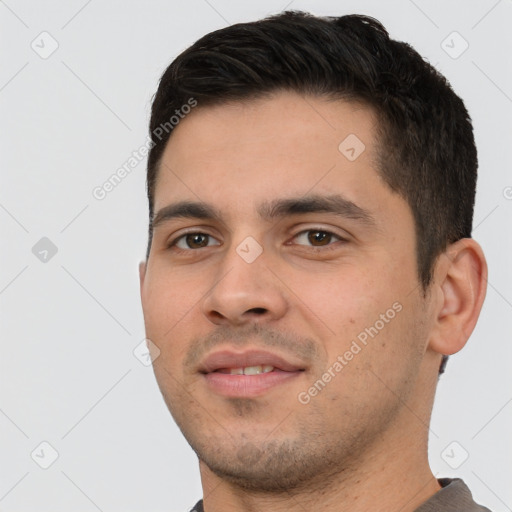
426, 148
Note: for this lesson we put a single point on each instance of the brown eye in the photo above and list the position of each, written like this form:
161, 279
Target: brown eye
316, 237
319, 237
193, 241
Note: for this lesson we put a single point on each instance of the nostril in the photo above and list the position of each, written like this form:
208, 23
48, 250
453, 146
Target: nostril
257, 310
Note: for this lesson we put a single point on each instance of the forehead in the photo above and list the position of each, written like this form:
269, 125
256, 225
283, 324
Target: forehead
286, 123
241, 154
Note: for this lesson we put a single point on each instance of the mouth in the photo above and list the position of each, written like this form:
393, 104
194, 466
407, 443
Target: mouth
247, 374
248, 370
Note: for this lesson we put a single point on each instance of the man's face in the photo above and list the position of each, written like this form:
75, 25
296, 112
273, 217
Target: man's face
328, 300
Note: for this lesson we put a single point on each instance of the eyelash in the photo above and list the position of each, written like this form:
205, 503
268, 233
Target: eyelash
173, 244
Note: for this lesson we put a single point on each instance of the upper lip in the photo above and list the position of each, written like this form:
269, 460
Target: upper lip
233, 359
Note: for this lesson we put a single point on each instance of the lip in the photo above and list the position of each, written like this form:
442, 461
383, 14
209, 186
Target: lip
231, 359
247, 386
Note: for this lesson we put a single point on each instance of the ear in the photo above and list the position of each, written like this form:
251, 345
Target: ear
460, 284
142, 274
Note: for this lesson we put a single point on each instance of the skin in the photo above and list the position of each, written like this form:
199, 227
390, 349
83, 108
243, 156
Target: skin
361, 442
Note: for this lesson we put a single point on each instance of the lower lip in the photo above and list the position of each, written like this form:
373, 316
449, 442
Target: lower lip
247, 386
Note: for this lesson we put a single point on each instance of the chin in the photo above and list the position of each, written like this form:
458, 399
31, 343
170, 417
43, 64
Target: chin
273, 468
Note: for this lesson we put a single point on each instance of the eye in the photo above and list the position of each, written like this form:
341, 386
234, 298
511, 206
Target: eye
317, 237
192, 241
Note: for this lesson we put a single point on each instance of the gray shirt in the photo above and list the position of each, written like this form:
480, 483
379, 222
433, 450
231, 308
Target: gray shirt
453, 497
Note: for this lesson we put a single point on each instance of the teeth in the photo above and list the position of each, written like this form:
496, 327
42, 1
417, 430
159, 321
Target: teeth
251, 370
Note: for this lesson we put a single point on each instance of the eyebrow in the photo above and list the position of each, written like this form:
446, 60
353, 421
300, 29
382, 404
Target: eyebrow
270, 210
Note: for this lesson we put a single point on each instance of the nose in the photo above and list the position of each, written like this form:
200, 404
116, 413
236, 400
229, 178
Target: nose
245, 292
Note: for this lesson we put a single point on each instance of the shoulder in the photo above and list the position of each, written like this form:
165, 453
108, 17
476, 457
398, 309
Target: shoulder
453, 496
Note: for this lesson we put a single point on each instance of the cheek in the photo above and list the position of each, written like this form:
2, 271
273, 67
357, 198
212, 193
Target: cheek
361, 312
168, 311
166, 300
339, 298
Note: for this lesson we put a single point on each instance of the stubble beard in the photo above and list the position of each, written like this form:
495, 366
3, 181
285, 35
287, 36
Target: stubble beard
310, 456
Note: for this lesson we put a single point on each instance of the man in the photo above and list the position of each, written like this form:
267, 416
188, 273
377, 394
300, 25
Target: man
309, 266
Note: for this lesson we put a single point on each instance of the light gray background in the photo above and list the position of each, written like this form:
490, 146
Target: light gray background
69, 325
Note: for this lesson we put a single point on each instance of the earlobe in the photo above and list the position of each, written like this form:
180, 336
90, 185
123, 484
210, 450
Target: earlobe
462, 282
